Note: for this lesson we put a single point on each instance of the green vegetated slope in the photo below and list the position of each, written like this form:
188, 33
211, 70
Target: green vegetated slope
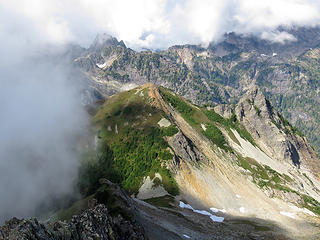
211, 121
132, 145
263, 176
267, 178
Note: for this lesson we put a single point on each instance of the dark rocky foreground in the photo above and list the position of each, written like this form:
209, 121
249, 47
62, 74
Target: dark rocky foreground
109, 214
95, 223
121, 217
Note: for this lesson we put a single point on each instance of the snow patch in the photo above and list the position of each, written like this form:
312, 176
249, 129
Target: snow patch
184, 205
203, 212
215, 210
287, 214
242, 209
214, 218
101, 65
164, 122
274, 54
186, 236
304, 210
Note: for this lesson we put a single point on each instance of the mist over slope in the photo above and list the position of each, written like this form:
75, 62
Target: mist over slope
41, 120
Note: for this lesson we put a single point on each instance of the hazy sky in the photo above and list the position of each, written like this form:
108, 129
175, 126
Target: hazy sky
157, 23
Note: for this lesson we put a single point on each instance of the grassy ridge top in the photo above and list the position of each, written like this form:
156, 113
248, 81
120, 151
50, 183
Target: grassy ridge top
132, 144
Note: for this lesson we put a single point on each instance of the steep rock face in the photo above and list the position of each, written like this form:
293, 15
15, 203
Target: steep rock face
95, 223
276, 137
183, 148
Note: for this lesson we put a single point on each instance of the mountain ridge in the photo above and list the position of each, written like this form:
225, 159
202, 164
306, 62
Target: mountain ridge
167, 152
287, 73
215, 160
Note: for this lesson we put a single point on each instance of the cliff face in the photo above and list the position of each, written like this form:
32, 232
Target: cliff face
274, 134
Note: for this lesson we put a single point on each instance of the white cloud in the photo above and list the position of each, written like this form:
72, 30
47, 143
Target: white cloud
202, 19
161, 23
278, 36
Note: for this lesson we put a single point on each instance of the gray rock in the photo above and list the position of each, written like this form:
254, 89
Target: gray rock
95, 223
184, 148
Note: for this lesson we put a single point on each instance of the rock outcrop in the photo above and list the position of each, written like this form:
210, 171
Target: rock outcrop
110, 214
184, 149
94, 223
274, 134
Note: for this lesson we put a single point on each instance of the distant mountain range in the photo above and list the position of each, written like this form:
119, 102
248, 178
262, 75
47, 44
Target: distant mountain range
288, 73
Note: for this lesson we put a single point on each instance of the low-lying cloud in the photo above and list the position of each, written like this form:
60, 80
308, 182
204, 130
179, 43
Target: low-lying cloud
41, 120
40, 123
162, 23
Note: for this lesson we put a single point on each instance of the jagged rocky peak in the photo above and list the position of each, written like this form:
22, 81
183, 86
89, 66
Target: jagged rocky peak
103, 40
273, 133
225, 110
255, 100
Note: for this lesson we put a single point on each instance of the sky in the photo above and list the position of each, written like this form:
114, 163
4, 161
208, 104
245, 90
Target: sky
40, 111
156, 24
